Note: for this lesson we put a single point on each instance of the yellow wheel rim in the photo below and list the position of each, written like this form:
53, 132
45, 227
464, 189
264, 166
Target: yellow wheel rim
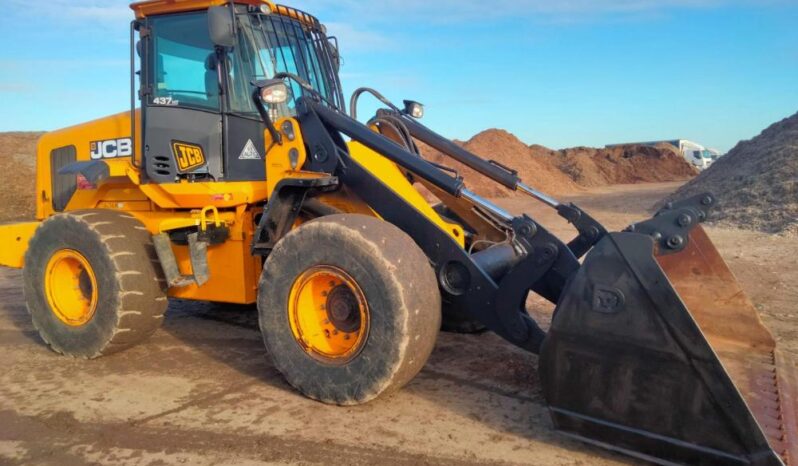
71, 287
328, 314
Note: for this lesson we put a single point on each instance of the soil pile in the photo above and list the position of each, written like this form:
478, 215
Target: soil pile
566, 171
506, 149
756, 183
17, 165
540, 172
630, 164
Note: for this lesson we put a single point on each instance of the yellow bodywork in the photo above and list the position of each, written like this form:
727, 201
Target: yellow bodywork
390, 174
14, 239
234, 271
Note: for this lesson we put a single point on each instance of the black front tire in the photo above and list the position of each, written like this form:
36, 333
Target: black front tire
399, 286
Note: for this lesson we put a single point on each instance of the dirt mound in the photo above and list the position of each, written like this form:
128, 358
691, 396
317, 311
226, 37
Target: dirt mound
631, 164
508, 150
756, 183
566, 171
541, 151
579, 165
17, 164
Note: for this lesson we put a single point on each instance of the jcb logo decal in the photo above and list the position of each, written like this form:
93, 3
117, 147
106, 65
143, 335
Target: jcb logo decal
111, 149
188, 156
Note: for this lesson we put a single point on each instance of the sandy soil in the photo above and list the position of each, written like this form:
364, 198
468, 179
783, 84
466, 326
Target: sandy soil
17, 164
202, 390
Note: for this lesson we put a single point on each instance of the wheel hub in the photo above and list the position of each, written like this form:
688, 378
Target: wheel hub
71, 287
342, 309
328, 314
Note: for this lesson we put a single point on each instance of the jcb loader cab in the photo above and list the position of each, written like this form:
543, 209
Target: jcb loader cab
238, 176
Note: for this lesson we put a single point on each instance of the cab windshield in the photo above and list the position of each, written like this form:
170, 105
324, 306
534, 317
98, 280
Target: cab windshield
270, 44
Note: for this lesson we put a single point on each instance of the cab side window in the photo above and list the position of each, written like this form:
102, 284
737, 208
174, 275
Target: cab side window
185, 68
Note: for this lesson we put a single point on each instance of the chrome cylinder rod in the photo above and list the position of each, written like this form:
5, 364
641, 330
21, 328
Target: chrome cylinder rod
538, 195
486, 205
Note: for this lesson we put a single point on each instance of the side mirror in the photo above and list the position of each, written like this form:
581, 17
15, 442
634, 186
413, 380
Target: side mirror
221, 26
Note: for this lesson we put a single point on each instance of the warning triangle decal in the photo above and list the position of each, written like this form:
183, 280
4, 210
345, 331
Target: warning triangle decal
249, 152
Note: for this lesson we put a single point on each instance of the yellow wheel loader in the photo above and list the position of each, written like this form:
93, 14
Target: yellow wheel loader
238, 176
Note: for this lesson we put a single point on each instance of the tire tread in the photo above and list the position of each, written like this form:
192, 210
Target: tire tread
129, 249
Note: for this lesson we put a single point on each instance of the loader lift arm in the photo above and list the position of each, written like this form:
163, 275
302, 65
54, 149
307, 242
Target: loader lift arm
590, 231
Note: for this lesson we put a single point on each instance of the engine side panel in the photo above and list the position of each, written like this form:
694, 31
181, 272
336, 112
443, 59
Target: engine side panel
107, 139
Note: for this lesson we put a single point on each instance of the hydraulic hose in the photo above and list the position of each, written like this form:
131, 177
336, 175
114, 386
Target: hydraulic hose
410, 130
400, 130
356, 96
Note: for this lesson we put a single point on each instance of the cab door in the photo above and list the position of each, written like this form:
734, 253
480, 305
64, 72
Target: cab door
181, 100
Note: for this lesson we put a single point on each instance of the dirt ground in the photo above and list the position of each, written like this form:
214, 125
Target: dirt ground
17, 164
203, 391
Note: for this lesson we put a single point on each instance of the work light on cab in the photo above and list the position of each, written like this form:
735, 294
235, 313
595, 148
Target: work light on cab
414, 109
273, 92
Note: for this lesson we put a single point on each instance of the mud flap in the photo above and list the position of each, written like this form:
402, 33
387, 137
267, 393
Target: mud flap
665, 358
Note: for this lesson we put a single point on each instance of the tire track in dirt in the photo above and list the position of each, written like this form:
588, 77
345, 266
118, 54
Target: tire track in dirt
61, 429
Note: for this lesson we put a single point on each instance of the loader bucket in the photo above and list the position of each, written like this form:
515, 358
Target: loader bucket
663, 356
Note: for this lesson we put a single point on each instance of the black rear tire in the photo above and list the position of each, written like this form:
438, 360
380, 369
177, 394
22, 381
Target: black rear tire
130, 290
399, 287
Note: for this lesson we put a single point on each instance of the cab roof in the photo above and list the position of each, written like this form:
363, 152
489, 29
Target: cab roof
159, 7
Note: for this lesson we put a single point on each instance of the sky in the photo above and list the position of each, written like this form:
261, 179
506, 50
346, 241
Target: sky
557, 73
